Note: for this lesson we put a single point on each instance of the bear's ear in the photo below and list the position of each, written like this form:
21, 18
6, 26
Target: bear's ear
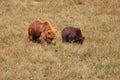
49, 32
82, 38
55, 30
77, 28
46, 23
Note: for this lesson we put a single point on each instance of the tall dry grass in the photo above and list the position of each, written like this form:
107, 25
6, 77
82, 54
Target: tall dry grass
97, 59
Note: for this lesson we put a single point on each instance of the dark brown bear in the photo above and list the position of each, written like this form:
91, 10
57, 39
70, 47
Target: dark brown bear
72, 35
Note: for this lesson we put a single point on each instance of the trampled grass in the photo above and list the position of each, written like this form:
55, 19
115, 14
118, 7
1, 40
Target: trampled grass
97, 59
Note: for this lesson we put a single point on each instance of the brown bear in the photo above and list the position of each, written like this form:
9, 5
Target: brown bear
41, 31
72, 35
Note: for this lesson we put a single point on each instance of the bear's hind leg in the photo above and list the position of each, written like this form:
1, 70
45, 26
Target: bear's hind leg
30, 37
64, 39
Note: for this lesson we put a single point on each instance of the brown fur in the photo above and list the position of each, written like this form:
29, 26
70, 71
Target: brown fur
41, 31
72, 35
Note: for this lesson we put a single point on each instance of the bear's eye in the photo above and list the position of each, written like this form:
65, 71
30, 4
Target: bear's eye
49, 33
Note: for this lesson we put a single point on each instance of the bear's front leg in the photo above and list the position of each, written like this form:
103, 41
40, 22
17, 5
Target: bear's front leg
71, 40
43, 39
53, 42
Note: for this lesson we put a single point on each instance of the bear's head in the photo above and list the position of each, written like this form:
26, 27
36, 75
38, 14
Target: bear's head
79, 38
50, 32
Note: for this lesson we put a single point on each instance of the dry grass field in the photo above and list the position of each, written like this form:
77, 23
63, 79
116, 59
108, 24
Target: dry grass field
97, 59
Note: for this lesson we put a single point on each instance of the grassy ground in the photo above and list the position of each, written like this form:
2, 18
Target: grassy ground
97, 59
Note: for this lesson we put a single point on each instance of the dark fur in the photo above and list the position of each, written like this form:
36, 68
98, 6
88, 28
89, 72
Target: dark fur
72, 35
